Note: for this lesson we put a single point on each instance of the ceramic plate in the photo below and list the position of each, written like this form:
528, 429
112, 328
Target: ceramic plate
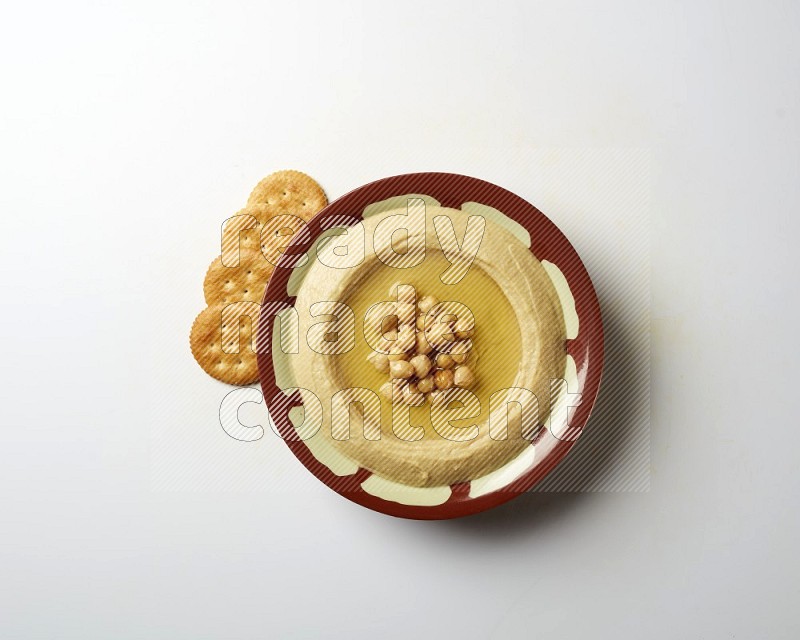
584, 348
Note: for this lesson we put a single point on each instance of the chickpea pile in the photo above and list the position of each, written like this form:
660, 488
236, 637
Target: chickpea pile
417, 372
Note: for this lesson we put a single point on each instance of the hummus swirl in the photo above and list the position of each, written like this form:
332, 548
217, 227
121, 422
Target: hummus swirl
523, 310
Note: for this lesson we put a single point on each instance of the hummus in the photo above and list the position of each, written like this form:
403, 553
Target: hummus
518, 346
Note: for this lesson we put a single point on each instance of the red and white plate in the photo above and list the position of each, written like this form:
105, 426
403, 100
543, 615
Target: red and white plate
585, 349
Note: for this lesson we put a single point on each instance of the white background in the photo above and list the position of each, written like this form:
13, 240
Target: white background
129, 132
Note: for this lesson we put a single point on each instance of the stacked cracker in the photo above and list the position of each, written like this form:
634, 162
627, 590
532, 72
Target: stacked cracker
235, 292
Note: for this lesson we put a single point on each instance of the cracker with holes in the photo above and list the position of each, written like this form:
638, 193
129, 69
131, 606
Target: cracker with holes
251, 228
279, 195
288, 192
223, 335
223, 341
243, 282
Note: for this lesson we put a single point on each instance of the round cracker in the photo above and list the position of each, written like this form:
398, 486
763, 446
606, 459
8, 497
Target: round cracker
239, 233
289, 191
205, 341
233, 284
